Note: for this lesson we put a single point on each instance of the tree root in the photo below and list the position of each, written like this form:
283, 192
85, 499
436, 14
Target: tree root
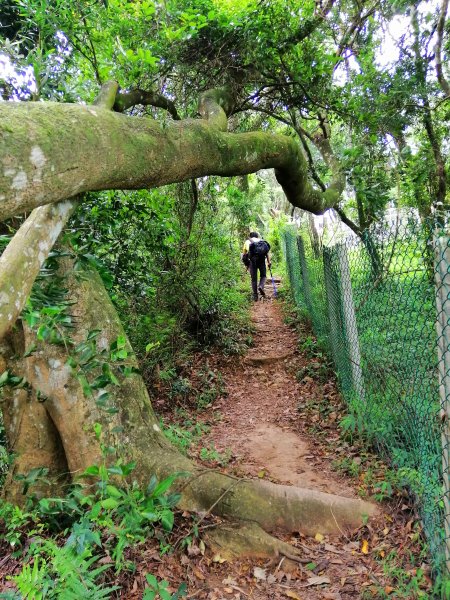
232, 541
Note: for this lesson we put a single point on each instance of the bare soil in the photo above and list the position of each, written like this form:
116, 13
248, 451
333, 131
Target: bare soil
277, 419
260, 411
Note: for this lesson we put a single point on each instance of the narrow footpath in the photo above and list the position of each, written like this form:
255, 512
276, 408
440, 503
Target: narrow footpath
278, 421
261, 417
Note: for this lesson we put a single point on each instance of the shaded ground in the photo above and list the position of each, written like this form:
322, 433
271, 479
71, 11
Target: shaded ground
274, 416
260, 413
278, 419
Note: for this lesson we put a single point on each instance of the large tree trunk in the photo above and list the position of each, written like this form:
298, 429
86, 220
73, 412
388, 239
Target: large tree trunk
58, 431
50, 152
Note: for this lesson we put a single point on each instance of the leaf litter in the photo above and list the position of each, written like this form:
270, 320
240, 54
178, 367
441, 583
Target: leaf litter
276, 396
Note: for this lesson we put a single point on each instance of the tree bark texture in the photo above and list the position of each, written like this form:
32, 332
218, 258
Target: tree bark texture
53, 151
24, 256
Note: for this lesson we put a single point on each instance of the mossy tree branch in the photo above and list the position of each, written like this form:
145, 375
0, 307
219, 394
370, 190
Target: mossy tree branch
125, 100
51, 151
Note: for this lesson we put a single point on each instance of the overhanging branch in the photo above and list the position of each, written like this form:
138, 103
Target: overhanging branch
126, 100
51, 151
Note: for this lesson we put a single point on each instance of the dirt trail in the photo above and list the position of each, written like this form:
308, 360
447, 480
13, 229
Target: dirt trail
279, 420
260, 413
266, 424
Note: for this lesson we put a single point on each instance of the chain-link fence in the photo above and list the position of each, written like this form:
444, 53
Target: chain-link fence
381, 306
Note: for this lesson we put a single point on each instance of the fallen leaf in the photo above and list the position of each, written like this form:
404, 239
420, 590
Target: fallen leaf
318, 537
319, 580
193, 550
365, 547
330, 548
228, 590
198, 573
388, 590
292, 594
217, 558
202, 547
229, 581
259, 573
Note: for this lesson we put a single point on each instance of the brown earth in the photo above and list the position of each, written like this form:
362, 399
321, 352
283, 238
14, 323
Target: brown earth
260, 411
278, 419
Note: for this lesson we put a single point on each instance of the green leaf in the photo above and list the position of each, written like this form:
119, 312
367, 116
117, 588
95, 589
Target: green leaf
129, 467
167, 520
29, 352
115, 470
151, 516
93, 470
95, 510
109, 503
97, 430
165, 485
87, 391
92, 335
181, 591
152, 485
113, 491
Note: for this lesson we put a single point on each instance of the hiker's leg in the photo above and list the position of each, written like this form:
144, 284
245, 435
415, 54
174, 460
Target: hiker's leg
263, 273
254, 275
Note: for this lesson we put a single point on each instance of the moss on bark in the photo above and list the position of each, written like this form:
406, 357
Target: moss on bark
51, 151
134, 430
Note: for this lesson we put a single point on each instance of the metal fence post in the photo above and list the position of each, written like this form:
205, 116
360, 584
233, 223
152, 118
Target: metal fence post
305, 274
442, 280
332, 306
348, 309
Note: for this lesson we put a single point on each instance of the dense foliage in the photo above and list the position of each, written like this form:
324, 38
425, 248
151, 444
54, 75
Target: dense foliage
362, 88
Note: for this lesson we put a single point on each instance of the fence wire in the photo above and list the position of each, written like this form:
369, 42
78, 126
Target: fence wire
381, 307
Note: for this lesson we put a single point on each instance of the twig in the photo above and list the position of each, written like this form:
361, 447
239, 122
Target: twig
208, 512
337, 524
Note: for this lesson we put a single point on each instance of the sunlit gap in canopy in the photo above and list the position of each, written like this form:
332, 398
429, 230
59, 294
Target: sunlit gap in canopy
15, 71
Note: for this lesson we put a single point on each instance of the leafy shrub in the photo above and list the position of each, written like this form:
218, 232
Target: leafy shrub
87, 524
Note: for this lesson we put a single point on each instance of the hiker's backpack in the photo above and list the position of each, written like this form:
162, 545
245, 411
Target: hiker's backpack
258, 249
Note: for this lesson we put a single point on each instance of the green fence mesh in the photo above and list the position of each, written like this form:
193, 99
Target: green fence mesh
381, 307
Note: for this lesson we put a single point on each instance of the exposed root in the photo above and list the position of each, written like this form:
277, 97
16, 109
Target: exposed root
247, 540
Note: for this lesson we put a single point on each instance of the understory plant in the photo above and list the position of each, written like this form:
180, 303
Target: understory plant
72, 547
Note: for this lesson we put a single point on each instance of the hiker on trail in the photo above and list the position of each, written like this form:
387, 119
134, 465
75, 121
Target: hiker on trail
254, 256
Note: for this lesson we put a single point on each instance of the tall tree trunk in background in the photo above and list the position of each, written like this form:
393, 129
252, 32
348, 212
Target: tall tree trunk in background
421, 64
314, 236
